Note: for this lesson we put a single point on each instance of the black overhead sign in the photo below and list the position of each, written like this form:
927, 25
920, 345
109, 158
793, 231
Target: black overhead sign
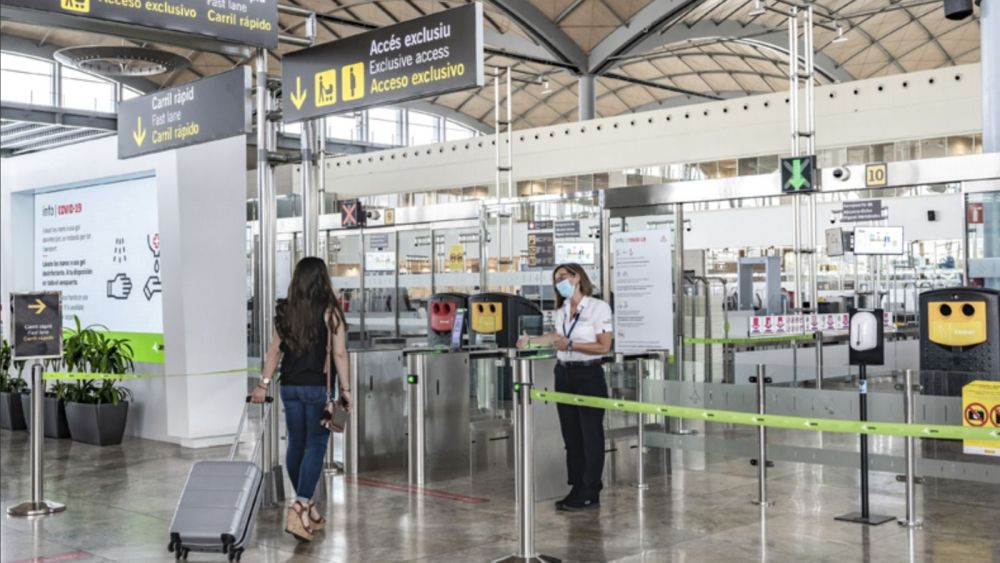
862, 210
37, 319
427, 56
249, 22
205, 110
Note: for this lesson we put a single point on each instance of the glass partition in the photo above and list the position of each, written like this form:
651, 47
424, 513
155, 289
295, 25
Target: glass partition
457, 259
415, 281
982, 234
527, 240
343, 257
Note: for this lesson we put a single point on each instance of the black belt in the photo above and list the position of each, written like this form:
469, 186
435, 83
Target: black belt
583, 364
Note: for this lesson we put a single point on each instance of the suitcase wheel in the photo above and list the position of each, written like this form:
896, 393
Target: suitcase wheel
236, 554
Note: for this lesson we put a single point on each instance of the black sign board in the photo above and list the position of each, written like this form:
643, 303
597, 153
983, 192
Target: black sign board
352, 214
378, 241
247, 22
426, 56
864, 210
567, 229
37, 319
541, 250
798, 174
540, 225
205, 110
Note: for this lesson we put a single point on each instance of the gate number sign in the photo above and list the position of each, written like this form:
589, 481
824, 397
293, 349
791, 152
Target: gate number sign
876, 175
37, 320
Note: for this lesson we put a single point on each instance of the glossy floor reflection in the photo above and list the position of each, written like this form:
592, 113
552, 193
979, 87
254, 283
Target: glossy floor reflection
120, 500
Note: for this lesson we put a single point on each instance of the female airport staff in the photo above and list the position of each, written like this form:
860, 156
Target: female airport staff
583, 334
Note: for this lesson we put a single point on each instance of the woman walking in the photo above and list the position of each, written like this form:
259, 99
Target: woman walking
583, 335
310, 341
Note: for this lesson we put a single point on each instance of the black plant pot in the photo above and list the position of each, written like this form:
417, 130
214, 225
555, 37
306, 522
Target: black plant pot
56, 425
11, 413
102, 424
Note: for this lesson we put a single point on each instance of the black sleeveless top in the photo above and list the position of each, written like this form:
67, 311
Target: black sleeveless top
307, 368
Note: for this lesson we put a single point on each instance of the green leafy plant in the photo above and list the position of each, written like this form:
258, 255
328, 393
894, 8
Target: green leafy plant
10, 383
90, 350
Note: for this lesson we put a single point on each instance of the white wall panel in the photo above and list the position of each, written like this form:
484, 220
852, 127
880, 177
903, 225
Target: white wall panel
917, 105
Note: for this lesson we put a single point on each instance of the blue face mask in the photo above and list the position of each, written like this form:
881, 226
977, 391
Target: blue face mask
566, 289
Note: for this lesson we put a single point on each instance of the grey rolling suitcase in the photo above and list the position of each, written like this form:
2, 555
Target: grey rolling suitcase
218, 505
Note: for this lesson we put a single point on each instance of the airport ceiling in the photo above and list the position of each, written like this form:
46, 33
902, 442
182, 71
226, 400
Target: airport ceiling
645, 53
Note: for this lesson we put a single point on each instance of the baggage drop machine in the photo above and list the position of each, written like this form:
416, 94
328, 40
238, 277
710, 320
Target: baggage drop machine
959, 338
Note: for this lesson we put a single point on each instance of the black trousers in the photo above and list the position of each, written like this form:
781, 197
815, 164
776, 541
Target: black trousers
583, 427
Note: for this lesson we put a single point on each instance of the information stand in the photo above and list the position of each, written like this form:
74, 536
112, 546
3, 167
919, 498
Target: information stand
37, 336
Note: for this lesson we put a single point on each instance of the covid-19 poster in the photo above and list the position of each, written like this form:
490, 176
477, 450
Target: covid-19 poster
100, 246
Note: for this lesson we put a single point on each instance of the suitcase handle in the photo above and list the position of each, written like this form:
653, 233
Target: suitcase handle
268, 406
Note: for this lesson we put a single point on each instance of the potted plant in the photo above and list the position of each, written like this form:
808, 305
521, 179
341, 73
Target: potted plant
96, 410
55, 423
11, 387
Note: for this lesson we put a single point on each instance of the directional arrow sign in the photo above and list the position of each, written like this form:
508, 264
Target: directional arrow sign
205, 110
797, 174
37, 325
38, 307
299, 96
139, 135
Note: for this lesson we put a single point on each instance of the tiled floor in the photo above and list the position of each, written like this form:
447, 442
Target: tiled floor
120, 500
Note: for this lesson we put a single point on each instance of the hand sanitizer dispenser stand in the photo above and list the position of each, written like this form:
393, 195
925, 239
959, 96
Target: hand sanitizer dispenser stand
866, 348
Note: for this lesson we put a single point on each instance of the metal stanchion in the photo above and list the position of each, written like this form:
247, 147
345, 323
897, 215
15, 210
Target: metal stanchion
37, 506
910, 521
351, 431
640, 472
761, 462
524, 470
819, 360
415, 421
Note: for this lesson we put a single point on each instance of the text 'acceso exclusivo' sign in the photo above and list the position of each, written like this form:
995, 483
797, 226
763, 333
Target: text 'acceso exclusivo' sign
431, 55
250, 22
205, 110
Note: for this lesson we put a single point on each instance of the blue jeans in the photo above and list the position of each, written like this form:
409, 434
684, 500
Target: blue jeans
307, 439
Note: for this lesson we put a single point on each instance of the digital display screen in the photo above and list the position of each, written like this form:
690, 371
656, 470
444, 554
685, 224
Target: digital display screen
380, 261
575, 252
835, 242
878, 240
456, 330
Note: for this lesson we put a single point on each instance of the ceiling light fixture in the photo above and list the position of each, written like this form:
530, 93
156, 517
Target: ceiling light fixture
840, 33
118, 61
545, 87
758, 8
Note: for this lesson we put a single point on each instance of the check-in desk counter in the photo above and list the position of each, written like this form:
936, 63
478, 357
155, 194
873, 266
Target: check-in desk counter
375, 437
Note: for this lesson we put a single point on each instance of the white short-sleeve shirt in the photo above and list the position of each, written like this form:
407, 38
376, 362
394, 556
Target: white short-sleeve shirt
594, 319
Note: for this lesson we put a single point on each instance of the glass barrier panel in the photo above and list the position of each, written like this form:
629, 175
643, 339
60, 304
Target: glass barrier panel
343, 252
414, 291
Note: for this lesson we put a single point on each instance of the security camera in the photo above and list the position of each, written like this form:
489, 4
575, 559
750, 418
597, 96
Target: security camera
833, 220
842, 173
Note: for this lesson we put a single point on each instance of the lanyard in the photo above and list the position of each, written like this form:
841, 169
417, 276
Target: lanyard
576, 319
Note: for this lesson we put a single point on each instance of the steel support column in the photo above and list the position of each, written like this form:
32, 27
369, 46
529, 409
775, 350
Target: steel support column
587, 97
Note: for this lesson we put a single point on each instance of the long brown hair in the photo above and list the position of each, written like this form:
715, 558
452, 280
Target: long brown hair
310, 295
586, 287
